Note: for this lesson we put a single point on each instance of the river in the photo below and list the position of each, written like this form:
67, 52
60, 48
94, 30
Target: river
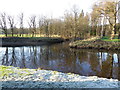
60, 57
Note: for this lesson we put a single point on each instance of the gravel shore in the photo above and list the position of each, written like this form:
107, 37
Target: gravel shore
12, 77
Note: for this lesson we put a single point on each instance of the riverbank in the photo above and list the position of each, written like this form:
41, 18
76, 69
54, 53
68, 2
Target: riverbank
95, 43
28, 41
12, 77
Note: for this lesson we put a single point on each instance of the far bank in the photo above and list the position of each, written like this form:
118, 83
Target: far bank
96, 43
28, 41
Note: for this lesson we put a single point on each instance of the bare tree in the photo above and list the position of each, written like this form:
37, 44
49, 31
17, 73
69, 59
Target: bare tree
40, 24
12, 24
75, 13
103, 23
21, 19
96, 19
3, 23
46, 23
32, 25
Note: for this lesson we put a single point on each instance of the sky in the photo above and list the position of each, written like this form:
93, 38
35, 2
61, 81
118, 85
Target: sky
54, 8
40, 8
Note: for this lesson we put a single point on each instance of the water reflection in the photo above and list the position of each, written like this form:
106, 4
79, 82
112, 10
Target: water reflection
61, 58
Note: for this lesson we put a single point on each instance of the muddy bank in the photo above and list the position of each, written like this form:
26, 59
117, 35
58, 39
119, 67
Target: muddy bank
22, 41
95, 44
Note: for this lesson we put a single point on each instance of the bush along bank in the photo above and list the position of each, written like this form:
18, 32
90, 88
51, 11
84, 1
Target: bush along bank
95, 44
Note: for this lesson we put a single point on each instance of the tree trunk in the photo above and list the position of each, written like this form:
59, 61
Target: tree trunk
102, 31
6, 34
12, 32
112, 32
118, 66
119, 34
32, 34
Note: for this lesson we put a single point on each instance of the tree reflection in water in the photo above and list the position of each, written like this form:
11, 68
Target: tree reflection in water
62, 58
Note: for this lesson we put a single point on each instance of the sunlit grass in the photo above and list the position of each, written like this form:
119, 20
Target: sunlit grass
106, 38
9, 71
1, 35
29, 35
113, 40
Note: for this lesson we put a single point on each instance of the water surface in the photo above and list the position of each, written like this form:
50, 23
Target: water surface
61, 58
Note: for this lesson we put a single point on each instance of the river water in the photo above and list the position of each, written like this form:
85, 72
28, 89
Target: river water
60, 57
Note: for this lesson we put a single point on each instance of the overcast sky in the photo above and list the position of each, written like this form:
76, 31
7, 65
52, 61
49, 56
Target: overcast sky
48, 8
55, 8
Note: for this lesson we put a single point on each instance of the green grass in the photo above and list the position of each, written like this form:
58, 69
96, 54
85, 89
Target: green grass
28, 35
17, 35
8, 71
106, 38
5, 71
113, 40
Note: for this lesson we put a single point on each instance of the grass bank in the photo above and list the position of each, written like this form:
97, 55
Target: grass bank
29, 41
97, 43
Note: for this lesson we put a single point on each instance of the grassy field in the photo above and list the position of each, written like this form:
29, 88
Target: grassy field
28, 35
115, 39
